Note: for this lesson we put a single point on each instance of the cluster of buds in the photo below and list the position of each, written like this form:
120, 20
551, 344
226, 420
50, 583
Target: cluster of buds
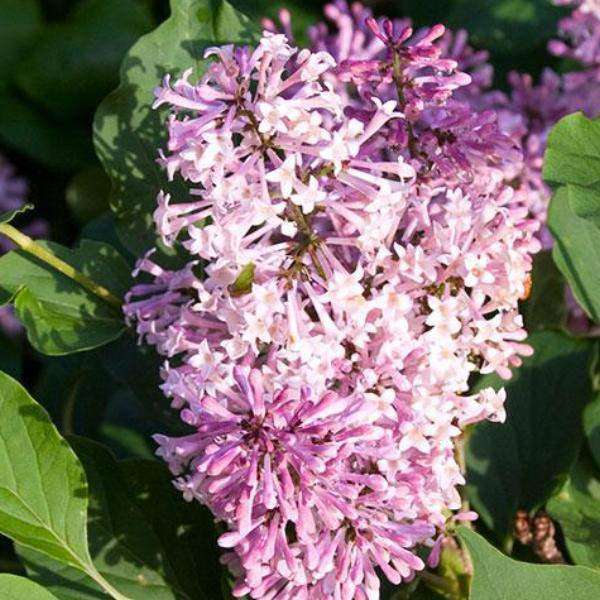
355, 256
538, 532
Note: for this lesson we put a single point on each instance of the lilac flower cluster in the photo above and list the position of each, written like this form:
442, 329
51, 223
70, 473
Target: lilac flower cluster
13, 191
356, 255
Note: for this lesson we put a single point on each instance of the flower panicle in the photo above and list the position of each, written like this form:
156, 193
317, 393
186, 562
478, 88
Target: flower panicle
353, 259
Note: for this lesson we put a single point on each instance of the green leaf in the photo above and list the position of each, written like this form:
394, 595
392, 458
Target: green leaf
243, 283
546, 306
42, 502
128, 133
123, 547
497, 577
74, 63
8, 216
576, 252
186, 530
13, 587
518, 464
143, 538
591, 426
43, 490
577, 508
60, 315
103, 229
573, 160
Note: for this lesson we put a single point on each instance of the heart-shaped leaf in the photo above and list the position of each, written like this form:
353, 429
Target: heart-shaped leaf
573, 160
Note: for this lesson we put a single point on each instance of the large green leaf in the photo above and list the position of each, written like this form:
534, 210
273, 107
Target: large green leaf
576, 252
43, 495
13, 587
43, 489
546, 306
59, 314
518, 464
573, 160
123, 546
497, 577
128, 133
75, 62
577, 508
143, 537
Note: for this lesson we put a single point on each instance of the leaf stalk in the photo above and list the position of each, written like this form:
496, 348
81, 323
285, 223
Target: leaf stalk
28, 245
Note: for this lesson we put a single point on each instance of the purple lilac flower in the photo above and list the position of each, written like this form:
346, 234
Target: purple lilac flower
356, 253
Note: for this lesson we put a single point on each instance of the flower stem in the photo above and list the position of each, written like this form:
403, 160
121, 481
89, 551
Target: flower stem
306, 229
31, 247
398, 78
